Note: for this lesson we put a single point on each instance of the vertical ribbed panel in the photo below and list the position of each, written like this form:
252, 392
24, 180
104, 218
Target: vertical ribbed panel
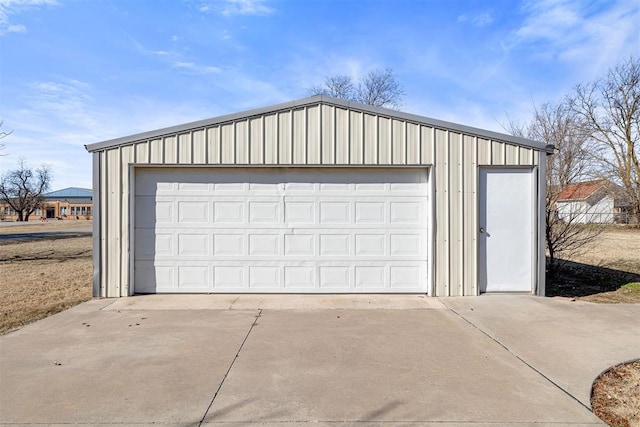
242, 142
113, 222
285, 137
214, 138
104, 205
442, 212
170, 148
314, 134
199, 147
355, 137
328, 135
399, 142
127, 156
228, 144
497, 153
484, 151
456, 214
319, 134
256, 141
512, 155
370, 139
157, 151
299, 137
526, 156
142, 152
184, 149
470, 215
384, 141
427, 145
271, 139
413, 144
342, 136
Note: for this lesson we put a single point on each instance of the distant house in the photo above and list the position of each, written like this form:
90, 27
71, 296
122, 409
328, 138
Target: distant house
68, 203
588, 202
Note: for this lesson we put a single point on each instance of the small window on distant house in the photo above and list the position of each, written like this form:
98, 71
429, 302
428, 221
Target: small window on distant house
88, 210
63, 210
37, 211
84, 210
73, 210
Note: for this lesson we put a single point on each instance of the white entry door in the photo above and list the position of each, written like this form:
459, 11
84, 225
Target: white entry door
506, 234
281, 230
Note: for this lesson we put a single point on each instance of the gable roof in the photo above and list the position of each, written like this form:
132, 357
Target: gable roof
71, 192
581, 190
320, 100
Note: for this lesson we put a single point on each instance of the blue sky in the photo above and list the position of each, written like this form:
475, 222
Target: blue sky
78, 72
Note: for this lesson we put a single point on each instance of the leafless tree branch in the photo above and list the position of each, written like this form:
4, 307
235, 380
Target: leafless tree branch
22, 188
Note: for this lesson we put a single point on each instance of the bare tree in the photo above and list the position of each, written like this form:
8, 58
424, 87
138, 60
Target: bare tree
379, 88
338, 86
22, 189
559, 125
3, 135
611, 108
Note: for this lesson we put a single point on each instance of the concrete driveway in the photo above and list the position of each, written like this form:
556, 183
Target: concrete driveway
297, 360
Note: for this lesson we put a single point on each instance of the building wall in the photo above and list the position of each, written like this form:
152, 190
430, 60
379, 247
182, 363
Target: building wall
314, 135
598, 211
57, 209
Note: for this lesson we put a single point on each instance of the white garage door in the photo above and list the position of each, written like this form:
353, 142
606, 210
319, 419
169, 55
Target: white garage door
314, 230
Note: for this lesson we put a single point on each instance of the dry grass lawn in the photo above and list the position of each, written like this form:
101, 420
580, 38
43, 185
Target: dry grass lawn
43, 277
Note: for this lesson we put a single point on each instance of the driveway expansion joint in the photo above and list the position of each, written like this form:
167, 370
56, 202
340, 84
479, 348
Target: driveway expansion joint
520, 359
253, 324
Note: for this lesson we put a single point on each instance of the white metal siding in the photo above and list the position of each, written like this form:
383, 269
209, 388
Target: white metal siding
323, 134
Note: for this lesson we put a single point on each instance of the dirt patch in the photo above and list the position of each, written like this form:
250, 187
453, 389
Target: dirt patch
615, 397
43, 277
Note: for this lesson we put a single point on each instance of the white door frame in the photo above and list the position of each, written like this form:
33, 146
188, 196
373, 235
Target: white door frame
535, 225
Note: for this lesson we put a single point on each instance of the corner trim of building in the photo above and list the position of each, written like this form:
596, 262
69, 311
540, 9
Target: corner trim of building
97, 217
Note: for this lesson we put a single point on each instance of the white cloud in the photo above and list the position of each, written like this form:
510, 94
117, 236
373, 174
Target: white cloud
13, 7
480, 20
587, 34
196, 68
236, 7
245, 7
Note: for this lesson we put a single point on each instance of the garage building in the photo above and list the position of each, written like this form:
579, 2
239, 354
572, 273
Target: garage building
319, 195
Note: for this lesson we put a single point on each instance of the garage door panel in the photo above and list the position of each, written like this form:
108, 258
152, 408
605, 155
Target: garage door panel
149, 244
229, 278
150, 278
193, 277
264, 277
229, 245
193, 244
264, 212
299, 277
281, 230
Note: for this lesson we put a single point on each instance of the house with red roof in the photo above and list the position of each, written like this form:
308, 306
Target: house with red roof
588, 202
